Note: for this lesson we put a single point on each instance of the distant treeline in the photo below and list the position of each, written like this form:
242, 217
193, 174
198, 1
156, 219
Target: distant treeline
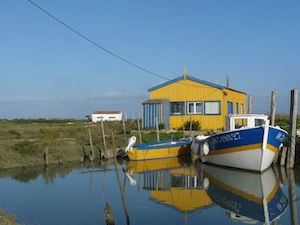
40, 120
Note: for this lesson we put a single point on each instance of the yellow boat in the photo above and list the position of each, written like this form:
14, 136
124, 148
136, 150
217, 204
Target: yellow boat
162, 149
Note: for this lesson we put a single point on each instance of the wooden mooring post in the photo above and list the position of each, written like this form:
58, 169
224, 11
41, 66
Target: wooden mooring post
292, 196
139, 130
103, 134
191, 126
46, 158
157, 129
283, 156
119, 180
273, 108
91, 145
124, 131
292, 128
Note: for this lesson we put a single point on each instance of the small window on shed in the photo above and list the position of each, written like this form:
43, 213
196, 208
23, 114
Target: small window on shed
177, 108
194, 108
212, 108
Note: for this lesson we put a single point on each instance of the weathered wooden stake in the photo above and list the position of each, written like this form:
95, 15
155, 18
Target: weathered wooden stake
103, 135
108, 215
182, 128
91, 144
124, 131
283, 156
292, 196
282, 176
292, 128
119, 181
46, 158
139, 130
250, 103
273, 107
157, 129
191, 126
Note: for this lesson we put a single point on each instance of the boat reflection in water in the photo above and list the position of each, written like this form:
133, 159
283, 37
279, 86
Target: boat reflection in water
172, 182
247, 197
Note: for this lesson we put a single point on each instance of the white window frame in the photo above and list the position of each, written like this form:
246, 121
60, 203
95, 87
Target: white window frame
195, 108
178, 113
212, 114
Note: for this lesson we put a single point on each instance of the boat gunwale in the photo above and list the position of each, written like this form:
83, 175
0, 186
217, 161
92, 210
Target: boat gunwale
163, 144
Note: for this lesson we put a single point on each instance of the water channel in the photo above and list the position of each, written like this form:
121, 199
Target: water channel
168, 191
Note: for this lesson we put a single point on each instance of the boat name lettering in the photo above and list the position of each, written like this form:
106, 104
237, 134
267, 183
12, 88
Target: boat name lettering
228, 137
280, 137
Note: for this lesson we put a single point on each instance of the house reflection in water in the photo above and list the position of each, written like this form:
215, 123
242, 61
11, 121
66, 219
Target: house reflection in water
172, 182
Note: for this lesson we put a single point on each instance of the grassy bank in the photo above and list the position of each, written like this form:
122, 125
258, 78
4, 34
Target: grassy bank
6, 219
23, 142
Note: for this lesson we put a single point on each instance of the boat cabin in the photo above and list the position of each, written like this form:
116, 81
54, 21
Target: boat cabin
237, 121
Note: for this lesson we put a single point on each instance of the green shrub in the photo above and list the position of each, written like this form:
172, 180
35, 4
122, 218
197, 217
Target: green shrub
14, 133
161, 126
195, 125
26, 147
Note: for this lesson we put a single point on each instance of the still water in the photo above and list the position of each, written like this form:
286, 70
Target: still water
169, 191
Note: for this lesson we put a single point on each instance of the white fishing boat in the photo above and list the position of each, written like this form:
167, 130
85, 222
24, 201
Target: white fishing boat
248, 197
248, 143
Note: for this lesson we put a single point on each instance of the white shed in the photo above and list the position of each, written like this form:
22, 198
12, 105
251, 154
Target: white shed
106, 116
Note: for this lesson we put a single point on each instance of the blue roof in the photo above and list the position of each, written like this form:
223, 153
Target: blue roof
188, 78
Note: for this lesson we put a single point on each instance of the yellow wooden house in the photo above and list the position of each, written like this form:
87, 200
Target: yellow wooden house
187, 98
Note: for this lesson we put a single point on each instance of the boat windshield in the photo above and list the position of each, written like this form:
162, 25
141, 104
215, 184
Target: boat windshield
235, 122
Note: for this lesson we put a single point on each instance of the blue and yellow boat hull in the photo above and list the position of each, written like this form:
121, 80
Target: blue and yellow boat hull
159, 150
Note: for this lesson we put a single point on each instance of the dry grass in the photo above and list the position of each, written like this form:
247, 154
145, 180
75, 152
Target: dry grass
22, 142
7, 219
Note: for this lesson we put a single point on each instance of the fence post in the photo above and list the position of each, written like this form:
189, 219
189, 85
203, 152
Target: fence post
292, 128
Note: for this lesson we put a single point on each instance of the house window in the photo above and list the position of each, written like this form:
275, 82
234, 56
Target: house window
229, 108
194, 108
177, 108
237, 108
242, 109
212, 108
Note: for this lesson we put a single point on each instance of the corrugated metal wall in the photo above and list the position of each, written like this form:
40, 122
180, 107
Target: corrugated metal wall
159, 109
193, 91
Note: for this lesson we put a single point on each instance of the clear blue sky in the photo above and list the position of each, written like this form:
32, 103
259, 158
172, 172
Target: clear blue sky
47, 71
